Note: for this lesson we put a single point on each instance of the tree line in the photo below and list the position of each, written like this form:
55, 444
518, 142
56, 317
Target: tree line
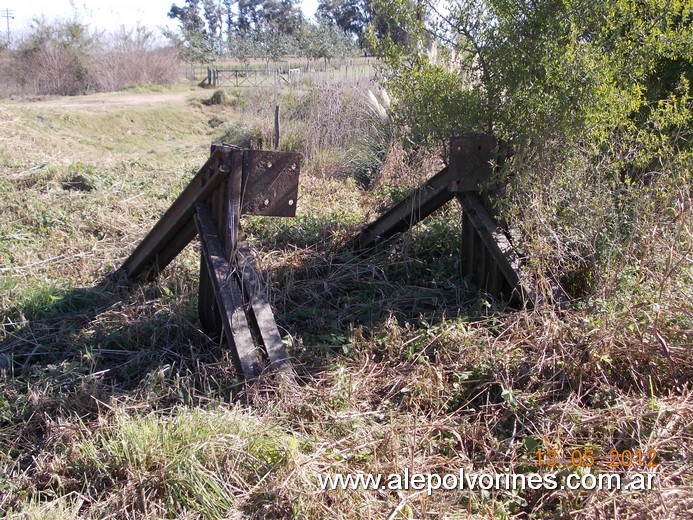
69, 58
273, 29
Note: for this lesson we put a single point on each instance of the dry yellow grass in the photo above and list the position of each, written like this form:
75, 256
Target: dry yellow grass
115, 404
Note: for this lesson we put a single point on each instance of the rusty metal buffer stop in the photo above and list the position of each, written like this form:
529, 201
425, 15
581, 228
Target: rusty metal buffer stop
232, 297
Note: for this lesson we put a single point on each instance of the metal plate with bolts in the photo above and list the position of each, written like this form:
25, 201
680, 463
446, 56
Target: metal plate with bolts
270, 183
472, 158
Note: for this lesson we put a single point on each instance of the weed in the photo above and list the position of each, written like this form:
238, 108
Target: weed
240, 133
220, 97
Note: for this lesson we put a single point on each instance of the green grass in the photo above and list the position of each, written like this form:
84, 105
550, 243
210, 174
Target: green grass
114, 402
192, 460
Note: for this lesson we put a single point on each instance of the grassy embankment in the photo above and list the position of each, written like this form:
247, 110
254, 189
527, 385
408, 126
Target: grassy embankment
115, 403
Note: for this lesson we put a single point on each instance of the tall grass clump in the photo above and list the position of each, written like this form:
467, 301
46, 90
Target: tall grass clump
342, 129
186, 462
131, 57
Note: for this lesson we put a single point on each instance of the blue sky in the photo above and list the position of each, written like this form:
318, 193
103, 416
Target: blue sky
104, 14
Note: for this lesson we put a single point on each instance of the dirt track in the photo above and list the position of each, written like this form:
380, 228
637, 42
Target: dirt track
114, 99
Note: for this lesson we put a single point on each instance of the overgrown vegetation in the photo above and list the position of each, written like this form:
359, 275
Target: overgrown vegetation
66, 58
341, 128
596, 101
115, 403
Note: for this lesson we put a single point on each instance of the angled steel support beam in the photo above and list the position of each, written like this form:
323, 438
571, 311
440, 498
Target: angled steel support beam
175, 229
228, 296
408, 212
255, 294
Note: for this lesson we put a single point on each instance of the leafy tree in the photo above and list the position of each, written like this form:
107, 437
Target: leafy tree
594, 96
324, 42
355, 16
577, 64
395, 22
242, 47
351, 16
197, 44
268, 29
54, 58
214, 17
273, 44
254, 15
248, 15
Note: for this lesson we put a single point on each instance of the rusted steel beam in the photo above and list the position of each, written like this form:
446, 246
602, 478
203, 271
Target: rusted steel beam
496, 280
225, 197
173, 231
175, 245
408, 212
505, 259
467, 246
254, 293
229, 300
493, 242
231, 223
207, 308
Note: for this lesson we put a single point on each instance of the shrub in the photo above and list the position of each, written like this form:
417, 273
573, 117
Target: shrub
133, 57
53, 59
220, 97
243, 134
65, 58
336, 127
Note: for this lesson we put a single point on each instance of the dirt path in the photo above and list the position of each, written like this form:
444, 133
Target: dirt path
113, 100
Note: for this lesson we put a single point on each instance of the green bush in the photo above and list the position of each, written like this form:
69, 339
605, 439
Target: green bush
595, 99
220, 97
243, 134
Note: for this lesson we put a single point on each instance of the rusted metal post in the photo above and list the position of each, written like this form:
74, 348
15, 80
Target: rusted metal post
229, 299
208, 310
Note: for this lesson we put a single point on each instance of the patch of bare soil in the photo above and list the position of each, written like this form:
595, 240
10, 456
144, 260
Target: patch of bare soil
114, 99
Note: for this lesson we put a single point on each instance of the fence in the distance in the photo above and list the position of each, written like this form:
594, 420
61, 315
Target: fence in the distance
224, 77
280, 73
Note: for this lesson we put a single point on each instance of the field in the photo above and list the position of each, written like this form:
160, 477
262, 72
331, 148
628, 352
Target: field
115, 404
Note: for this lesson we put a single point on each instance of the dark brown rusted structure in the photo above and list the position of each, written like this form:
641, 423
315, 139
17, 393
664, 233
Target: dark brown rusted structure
232, 296
233, 182
487, 254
